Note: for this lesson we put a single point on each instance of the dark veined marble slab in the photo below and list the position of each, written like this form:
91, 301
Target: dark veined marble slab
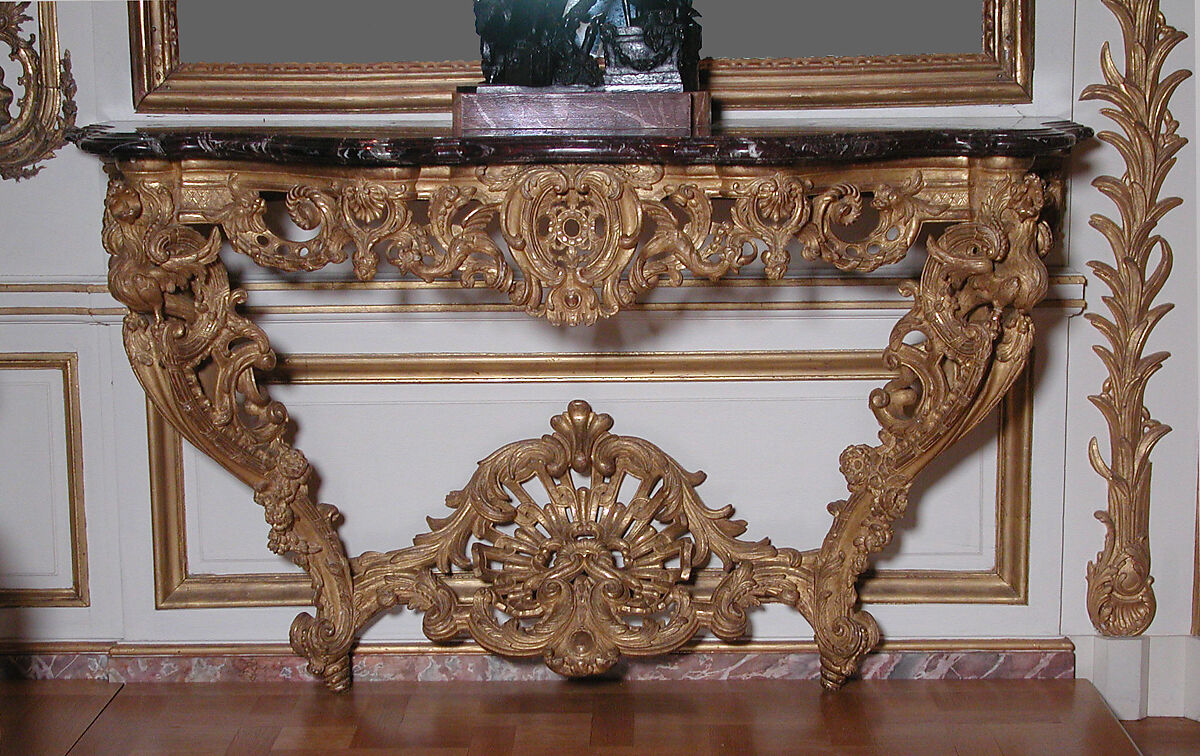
773, 143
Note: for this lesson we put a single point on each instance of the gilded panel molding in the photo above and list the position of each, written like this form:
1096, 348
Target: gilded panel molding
1120, 596
1006, 583
46, 109
77, 594
1001, 72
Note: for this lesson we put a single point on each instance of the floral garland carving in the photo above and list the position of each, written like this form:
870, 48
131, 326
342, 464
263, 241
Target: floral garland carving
46, 109
1120, 597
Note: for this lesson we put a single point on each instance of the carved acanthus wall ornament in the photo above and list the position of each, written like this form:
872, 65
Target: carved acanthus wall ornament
46, 108
583, 545
1120, 596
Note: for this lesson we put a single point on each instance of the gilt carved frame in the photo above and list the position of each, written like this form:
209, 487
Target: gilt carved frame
572, 244
1002, 72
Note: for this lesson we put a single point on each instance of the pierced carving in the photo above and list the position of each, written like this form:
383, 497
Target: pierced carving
46, 109
1120, 595
612, 559
584, 240
588, 575
195, 356
956, 354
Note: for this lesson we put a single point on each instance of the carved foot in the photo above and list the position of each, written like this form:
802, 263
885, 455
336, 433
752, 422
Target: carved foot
843, 642
328, 656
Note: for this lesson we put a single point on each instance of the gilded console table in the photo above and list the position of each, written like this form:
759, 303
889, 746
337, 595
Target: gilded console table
573, 229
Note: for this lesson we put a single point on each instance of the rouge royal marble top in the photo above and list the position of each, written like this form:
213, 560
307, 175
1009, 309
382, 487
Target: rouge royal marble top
771, 143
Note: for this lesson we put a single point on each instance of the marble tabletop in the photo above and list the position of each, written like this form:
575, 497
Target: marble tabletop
383, 144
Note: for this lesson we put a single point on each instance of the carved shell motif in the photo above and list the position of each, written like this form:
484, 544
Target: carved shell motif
600, 569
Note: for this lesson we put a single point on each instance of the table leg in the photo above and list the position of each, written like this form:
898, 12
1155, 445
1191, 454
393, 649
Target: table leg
195, 355
956, 353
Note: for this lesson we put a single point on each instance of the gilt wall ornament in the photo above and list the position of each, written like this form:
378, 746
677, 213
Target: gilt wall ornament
1120, 597
45, 111
580, 546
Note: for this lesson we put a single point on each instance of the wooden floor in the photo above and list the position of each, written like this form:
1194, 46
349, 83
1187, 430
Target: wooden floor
980, 718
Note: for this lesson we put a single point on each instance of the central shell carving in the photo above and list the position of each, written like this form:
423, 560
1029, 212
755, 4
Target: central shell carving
598, 566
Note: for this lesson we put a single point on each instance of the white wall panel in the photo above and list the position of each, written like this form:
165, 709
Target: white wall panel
35, 540
35, 437
388, 455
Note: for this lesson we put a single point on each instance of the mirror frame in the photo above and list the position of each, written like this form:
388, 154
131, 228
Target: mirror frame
1001, 73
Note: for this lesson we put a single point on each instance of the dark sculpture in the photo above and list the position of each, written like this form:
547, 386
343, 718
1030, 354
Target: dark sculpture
648, 44
535, 43
660, 41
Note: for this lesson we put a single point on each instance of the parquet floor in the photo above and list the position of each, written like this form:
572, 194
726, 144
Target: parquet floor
956, 718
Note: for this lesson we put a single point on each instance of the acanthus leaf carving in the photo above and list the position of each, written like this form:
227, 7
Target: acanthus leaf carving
955, 354
1120, 594
582, 545
583, 241
588, 576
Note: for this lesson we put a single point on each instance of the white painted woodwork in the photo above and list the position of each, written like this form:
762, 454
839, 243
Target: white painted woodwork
35, 543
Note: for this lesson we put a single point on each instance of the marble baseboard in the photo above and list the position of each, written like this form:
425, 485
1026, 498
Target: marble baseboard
129, 666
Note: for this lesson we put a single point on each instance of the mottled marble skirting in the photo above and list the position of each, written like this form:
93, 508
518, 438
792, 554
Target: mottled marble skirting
130, 666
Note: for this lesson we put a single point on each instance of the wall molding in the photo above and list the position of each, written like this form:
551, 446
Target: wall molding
1006, 583
66, 363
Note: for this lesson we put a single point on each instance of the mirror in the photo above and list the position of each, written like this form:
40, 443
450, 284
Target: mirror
374, 31
225, 56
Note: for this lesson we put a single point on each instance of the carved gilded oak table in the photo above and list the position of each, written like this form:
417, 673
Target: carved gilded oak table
572, 229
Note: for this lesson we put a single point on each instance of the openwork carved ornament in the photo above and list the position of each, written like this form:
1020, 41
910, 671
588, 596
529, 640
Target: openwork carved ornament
1120, 597
584, 241
583, 545
46, 109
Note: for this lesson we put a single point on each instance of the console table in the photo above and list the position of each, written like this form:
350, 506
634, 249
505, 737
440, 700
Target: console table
573, 229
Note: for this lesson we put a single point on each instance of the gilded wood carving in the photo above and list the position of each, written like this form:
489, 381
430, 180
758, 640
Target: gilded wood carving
46, 108
1120, 597
574, 233
602, 561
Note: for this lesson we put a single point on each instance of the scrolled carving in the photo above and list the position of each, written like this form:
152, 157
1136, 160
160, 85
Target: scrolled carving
901, 213
196, 357
580, 546
586, 576
46, 109
955, 354
583, 241
1120, 596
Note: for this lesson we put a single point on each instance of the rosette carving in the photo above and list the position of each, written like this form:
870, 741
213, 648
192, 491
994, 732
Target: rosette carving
583, 241
580, 546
